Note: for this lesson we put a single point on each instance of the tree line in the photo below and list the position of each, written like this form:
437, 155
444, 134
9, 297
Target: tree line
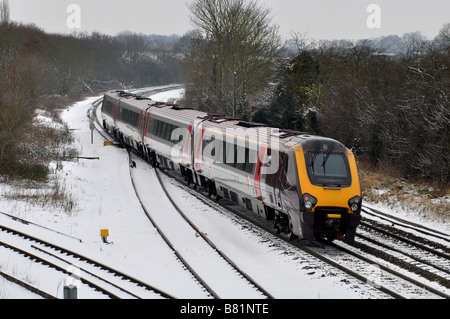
39, 70
393, 110
388, 100
390, 106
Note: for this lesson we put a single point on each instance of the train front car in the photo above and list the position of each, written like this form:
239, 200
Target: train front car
330, 195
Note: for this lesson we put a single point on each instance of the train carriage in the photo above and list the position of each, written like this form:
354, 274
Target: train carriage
308, 185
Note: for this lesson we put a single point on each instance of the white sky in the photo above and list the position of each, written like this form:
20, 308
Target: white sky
320, 19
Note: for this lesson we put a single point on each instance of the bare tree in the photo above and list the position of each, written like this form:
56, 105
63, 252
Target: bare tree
135, 45
4, 12
444, 35
244, 47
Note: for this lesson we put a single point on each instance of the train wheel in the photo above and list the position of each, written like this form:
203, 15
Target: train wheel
289, 229
277, 229
210, 188
269, 213
277, 224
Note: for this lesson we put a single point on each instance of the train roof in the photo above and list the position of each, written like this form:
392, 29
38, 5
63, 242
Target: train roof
223, 123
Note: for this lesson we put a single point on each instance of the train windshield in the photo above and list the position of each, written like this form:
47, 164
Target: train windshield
328, 168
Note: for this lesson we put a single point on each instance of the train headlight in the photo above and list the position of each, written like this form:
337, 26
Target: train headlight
309, 201
355, 204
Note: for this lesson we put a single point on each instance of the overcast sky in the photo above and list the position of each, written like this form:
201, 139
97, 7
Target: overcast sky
319, 19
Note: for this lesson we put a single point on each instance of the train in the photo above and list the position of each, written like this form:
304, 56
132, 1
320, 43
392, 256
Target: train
306, 185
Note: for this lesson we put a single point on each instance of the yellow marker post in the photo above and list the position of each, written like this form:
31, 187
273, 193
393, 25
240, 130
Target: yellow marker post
104, 233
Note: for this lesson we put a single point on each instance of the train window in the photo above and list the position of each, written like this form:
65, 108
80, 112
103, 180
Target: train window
237, 156
172, 130
150, 126
154, 124
129, 117
288, 170
156, 127
166, 132
136, 117
159, 128
270, 166
163, 130
328, 168
108, 107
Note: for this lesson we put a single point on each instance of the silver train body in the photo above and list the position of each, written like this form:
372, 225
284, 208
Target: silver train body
274, 173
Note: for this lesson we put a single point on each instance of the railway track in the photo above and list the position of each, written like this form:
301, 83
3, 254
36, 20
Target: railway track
213, 284
27, 286
218, 264
419, 233
423, 251
110, 282
363, 266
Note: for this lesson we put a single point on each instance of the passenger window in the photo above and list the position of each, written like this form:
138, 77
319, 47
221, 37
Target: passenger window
161, 128
287, 181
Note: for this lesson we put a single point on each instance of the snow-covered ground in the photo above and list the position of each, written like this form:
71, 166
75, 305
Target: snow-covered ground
105, 199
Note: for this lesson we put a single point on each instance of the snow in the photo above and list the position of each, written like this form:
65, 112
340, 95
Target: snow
105, 199
411, 215
173, 95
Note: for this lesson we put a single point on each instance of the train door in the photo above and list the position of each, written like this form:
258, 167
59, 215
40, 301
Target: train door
288, 198
187, 150
266, 176
287, 182
258, 172
197, 145
142, 126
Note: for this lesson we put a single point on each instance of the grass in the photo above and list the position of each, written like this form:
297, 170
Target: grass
52, 195
33, 178
385, 186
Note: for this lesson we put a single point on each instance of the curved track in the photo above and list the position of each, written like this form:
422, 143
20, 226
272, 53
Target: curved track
218, 264
111, 282
222, 278
368, 269
358, 264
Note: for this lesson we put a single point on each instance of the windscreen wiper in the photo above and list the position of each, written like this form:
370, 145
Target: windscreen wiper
326, 157
315, 152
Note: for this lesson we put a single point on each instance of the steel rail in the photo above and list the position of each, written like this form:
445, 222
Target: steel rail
211, 244
27, 286
88, 260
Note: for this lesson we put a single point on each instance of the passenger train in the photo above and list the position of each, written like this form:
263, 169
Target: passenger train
307, 185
